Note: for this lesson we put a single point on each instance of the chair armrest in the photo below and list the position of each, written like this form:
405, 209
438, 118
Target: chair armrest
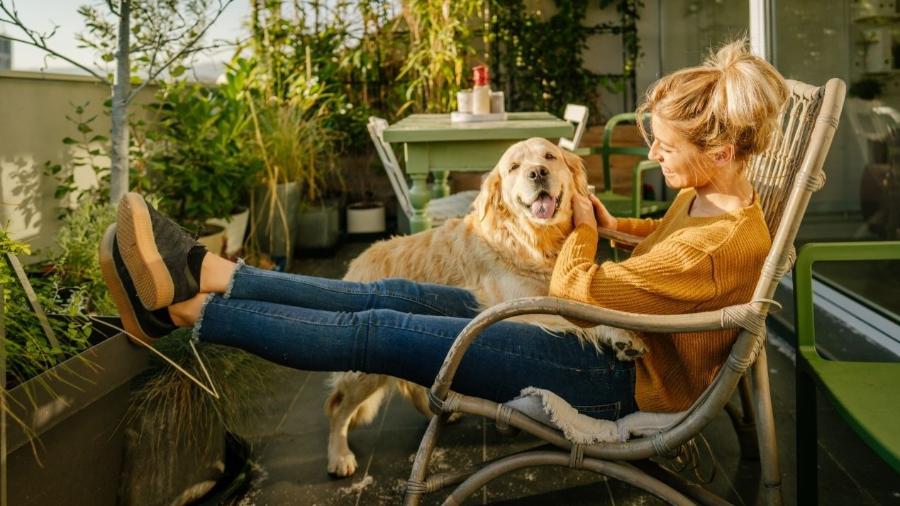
621, 238
606, 149
695, 322
637, 185
585, 151
803, 292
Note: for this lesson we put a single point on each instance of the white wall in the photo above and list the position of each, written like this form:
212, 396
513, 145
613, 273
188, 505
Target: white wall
33, 109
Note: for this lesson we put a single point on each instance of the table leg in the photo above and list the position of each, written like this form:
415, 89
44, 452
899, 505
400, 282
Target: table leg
419, 195
441, 188
417, 163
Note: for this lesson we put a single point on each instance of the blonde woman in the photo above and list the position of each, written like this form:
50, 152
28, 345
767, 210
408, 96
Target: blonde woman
704, 254
708, 249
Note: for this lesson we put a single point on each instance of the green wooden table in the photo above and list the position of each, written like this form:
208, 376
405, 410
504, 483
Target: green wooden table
431, 143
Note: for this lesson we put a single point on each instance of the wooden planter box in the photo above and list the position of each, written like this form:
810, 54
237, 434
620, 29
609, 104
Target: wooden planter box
86, 453
77, 420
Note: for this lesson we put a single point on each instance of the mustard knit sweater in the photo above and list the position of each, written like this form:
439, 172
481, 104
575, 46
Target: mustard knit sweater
685, 264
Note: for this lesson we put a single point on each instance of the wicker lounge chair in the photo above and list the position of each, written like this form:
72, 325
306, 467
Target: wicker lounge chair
784, 177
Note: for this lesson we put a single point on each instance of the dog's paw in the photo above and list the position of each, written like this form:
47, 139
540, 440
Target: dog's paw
627, 345
342, 465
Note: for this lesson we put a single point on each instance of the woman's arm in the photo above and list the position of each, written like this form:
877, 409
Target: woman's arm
671, 278
637, 226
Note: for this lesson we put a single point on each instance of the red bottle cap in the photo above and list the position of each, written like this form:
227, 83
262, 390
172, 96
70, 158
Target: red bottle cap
480, 75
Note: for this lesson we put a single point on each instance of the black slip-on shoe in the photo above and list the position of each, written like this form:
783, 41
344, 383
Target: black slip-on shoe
155, 250
139, 322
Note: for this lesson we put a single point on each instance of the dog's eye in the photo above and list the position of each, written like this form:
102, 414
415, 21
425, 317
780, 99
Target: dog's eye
549, 156
514, 167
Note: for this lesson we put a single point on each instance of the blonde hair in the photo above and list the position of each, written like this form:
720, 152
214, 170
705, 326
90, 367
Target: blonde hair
734, 97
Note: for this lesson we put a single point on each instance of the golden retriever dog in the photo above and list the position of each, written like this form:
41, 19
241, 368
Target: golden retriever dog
503, 249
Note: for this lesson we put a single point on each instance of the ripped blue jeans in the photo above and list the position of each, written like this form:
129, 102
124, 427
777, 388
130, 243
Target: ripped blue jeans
404, 329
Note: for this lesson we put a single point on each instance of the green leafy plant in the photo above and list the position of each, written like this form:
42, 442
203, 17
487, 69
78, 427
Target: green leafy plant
195, 160
28, 350
87, 151
167, 399
143, 39
539, 63
73, 267
439, 43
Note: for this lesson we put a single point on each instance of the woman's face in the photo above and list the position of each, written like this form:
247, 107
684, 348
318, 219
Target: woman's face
683, 164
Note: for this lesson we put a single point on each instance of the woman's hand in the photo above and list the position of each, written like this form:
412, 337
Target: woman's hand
604, 218
590, 211
583, 212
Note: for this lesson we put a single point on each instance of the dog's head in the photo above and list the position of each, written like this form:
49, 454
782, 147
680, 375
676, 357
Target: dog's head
533, 181
529, 193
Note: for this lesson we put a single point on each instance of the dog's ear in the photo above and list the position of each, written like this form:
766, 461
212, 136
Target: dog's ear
576, 166
490, 198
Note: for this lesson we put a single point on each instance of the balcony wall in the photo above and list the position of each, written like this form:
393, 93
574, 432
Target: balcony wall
32, 126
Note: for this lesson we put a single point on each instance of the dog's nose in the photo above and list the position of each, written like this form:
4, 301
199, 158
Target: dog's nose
538, 174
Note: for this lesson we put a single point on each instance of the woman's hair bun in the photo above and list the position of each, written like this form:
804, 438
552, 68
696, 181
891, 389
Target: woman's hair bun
733, 98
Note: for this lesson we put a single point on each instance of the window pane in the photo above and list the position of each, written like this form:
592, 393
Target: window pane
857, 42
691, 27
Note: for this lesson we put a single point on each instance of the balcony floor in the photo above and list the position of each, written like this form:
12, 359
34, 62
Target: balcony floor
289, 445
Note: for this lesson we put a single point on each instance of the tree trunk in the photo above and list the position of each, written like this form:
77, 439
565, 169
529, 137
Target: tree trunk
118, 174
3, 402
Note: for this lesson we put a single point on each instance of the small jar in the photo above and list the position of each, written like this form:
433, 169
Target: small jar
464, 101
497, 105
481, 92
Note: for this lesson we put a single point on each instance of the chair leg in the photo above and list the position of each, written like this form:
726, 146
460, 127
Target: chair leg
616, 470
765, 422
807, 438
744, 421
415, 487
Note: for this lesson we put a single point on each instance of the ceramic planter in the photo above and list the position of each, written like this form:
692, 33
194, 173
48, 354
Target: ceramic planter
235, 229
365, 218
318, 226
213, 237
272, 234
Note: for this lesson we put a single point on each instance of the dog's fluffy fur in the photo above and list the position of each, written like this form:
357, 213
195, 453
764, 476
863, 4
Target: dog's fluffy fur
501, 250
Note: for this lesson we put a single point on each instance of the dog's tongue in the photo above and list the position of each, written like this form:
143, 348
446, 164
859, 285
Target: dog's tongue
543, 207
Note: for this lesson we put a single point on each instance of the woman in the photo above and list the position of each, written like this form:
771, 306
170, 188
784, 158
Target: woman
705, 253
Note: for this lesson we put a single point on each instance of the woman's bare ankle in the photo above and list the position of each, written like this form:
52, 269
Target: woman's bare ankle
186, 313
216, 273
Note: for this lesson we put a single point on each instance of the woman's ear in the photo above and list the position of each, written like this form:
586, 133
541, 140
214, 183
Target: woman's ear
579, 175
490, 197
723, 155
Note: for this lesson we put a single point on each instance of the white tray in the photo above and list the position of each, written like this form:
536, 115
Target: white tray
467, 117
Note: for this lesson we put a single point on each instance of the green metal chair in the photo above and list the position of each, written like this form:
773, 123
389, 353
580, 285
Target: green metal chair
633, 205
866, 394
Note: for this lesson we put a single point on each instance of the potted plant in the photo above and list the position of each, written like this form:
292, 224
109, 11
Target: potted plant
177, 436
195, 164
67, 388
69, 392
297, 152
